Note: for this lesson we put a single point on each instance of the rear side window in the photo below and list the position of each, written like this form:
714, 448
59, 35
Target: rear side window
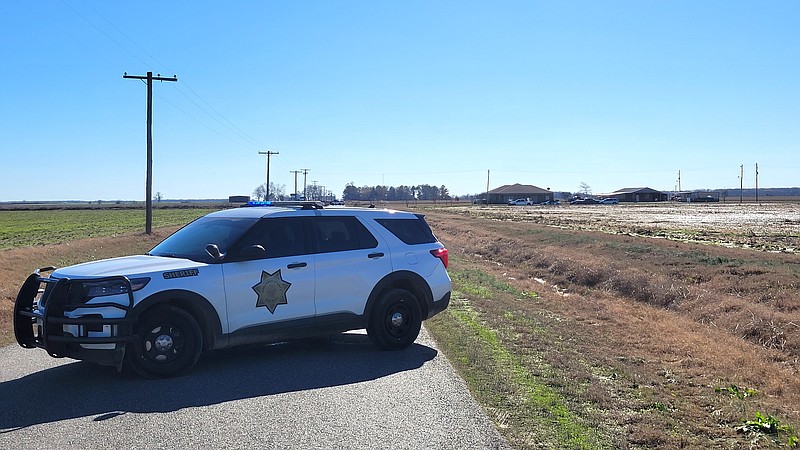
338, 234
410, 231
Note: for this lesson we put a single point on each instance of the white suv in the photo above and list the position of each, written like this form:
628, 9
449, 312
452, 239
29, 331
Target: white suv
240, 276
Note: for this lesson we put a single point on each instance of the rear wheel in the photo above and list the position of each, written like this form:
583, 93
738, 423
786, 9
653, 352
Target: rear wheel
395, 320
168, 343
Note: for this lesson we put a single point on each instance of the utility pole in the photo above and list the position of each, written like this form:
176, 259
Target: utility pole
741, 183
148, 220
295, 172
305, 177
487, 188
268, 153
756, 182
679, 181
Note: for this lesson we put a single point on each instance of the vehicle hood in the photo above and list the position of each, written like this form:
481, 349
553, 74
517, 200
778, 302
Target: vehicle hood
127, 266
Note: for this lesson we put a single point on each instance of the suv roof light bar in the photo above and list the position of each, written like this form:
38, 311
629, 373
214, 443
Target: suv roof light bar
290, 204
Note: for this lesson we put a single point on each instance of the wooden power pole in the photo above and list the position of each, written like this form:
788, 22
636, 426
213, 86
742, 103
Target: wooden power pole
741, 183
148, 221
295, 172
756, 182
268, 153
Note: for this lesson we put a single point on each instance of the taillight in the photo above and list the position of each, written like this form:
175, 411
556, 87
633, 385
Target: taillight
441, 253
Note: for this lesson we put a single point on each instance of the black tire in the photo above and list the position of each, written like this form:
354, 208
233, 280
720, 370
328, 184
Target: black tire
395, 320
168, 343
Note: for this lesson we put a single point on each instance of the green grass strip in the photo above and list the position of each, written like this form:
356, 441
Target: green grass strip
539, 401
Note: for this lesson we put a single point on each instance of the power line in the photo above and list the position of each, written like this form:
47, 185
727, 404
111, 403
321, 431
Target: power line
201, 122
232, 127
104, 33
227, 124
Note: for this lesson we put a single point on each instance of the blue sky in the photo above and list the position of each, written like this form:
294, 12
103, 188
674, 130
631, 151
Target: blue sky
555, 94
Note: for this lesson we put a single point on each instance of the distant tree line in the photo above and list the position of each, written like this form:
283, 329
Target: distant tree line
391, 193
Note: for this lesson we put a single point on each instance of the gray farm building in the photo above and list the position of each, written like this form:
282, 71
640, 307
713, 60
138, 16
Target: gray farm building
514, 191
641, 194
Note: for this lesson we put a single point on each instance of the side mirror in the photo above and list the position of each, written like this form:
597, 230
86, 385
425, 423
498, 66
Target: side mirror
213, 250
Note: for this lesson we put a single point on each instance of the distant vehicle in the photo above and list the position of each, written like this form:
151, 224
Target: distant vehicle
610, 201
707, 198
584, 201
553, 202
519, 202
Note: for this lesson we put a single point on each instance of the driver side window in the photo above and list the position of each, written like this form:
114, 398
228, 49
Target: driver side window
279, 237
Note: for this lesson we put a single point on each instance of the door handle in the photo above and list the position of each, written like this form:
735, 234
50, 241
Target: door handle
375, 255
296, 265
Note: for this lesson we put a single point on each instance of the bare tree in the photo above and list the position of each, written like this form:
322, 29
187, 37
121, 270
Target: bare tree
259, 192
276, 192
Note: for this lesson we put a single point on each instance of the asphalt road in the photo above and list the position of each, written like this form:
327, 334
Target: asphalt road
332, 394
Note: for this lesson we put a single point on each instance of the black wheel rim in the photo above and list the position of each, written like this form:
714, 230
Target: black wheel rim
398, 320
163, 343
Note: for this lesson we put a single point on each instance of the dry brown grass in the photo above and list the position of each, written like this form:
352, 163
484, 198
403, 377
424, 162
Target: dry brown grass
671, 320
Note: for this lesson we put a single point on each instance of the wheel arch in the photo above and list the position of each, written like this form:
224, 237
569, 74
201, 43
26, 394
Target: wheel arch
196, 305
402, 279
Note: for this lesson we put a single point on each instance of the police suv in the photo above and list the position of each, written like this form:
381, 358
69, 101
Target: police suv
241, 276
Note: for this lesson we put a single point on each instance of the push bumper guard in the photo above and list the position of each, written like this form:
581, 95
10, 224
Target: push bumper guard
42, 325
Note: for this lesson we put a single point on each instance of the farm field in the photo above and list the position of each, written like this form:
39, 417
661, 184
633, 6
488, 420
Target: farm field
622, 327
766, 226
630, 326
25, 226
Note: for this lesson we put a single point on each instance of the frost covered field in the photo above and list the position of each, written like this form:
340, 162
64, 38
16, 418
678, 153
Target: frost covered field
765, 226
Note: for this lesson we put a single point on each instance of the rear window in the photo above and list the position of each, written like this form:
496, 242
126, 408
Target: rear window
410, 231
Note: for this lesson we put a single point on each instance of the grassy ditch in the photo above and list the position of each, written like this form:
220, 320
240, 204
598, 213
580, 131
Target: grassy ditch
537, 378
514, 387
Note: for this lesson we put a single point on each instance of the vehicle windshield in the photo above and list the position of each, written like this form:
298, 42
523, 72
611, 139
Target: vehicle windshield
190, 241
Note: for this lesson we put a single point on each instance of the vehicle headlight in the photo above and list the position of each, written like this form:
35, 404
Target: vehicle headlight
113, 287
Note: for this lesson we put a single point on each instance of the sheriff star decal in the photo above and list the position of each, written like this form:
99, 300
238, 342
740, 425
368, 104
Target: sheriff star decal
271, 290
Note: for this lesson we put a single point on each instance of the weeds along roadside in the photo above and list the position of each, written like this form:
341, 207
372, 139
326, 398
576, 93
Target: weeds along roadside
665, 386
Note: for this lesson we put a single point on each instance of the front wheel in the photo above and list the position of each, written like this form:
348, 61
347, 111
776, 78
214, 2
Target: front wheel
395, 320
168, 343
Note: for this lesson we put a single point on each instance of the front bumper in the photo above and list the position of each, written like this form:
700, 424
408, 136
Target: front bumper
53, 314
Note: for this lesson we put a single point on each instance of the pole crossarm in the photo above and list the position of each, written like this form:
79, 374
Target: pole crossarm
158, 77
